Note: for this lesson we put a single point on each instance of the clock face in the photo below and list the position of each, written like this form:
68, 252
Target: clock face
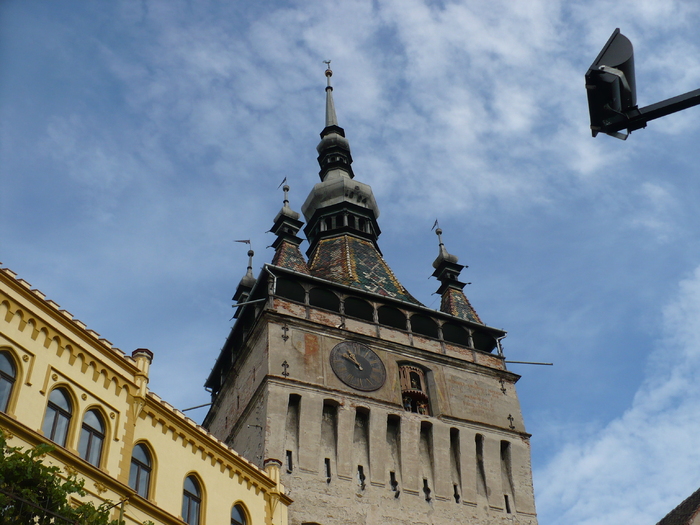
357, 366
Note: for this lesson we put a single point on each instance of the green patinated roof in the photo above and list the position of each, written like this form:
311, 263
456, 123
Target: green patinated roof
288, 256
356, 262
454, 302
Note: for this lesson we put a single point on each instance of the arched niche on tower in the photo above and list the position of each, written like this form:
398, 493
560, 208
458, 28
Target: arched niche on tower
453, 333
390, 316
423, 325
290, 290
483, 341
322, 298
359, 308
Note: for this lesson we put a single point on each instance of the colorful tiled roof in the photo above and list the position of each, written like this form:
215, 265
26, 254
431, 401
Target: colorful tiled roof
454, 302
684, 513
289, 256
355, 262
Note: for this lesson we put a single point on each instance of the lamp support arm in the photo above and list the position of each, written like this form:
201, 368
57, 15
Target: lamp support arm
637, 118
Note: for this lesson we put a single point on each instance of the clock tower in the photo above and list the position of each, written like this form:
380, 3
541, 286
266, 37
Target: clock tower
378, 409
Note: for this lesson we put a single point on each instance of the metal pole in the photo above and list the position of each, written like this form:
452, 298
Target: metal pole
529, 363
638, 118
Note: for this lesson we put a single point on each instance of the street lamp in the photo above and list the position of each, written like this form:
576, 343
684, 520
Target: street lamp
612, 93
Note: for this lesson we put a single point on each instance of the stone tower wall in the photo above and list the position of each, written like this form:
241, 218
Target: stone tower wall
339, 447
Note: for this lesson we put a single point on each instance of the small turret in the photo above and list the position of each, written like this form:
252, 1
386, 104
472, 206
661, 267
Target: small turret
246, 284
447, 271
286, 227
143, 358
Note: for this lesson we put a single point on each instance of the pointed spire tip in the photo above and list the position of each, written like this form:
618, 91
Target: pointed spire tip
331, 119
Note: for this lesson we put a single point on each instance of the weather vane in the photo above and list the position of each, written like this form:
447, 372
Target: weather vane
328, 63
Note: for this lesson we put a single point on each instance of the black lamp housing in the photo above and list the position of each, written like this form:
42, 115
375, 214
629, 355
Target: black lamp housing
612, 92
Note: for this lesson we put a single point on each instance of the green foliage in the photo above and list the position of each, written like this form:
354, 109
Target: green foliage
32, 492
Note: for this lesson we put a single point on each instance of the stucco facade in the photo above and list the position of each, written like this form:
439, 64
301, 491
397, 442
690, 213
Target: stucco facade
47, 351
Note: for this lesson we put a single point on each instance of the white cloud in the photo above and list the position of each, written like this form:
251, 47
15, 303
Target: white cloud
644, 463
653, 211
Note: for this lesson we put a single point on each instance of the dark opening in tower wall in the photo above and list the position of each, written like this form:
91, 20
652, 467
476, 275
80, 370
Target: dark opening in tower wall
359, 309
420, 324
290, 290
322, 298
390, 316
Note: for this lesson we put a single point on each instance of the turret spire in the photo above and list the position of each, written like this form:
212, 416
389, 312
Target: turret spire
443, 254
247, 283
249, 272
286, 210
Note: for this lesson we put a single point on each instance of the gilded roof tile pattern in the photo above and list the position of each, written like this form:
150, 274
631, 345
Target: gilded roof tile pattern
289, 256
356, 262
454, 302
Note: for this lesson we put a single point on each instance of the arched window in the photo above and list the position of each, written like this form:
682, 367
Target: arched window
238, 515
191, 501
140, 473
92, 436
57, 417
7, 380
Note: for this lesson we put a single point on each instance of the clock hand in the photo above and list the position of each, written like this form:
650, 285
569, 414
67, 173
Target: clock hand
353, 359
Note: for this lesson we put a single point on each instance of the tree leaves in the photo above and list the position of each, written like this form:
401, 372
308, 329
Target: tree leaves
33, 492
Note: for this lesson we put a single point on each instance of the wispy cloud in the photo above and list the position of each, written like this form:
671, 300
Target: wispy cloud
643, 463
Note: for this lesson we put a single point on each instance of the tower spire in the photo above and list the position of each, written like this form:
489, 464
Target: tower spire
334, 156
331, 118
338, 204
341, 218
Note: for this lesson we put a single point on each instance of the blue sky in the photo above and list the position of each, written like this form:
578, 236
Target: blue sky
138, 140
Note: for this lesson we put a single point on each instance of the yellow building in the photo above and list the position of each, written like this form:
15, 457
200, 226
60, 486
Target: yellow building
60, 382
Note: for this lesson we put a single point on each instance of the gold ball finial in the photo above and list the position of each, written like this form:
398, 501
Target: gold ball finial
329, 73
